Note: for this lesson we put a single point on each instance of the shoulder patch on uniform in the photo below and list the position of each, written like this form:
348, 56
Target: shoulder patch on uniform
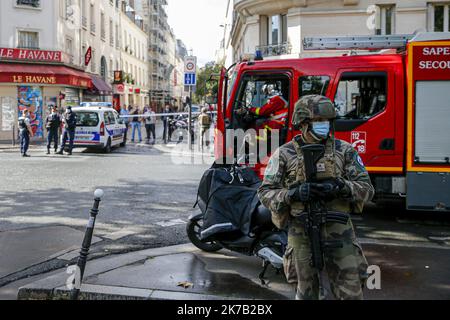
359, 162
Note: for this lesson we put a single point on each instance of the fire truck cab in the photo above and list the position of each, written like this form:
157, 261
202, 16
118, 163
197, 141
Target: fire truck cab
393, 106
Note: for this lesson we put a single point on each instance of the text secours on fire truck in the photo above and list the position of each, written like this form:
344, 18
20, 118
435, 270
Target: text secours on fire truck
393, 105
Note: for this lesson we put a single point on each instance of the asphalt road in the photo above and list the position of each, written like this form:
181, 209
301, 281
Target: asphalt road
146, 204
45, 202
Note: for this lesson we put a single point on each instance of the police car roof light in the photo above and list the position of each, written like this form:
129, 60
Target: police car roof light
259, 56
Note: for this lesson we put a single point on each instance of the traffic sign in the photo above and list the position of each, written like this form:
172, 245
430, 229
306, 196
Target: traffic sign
88, 56
190, 64
190, 79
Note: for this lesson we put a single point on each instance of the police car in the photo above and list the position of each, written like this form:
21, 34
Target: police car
99, 128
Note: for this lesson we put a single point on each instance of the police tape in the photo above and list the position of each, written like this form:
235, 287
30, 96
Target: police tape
165, 114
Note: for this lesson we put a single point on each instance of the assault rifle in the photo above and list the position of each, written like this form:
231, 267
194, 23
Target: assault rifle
317, 215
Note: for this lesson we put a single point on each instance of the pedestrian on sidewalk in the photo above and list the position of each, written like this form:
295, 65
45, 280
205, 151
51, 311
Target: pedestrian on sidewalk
52, 124
204, 121
150, 124
166, 122
124, 112
136, 125
25, 132
70, 125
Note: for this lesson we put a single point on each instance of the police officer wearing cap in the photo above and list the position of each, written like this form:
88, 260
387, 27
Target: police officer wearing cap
53, 123
70, 125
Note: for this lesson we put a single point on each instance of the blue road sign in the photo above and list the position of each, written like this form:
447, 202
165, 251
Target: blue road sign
190, 79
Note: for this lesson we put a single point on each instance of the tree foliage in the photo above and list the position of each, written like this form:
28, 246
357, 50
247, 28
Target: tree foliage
205, 86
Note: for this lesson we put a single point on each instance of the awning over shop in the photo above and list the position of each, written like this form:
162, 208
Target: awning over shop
100, 87
43, 75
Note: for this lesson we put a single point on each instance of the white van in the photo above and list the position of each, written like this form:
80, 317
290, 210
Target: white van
99, 127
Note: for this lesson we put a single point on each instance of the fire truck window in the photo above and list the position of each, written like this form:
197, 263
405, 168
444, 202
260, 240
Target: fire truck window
256, 90
314, 85
361, 96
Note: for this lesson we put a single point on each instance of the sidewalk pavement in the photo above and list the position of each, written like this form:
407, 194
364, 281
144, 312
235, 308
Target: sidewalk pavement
185, 273
171, 273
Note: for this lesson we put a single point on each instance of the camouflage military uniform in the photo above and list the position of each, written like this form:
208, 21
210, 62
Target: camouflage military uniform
345, 266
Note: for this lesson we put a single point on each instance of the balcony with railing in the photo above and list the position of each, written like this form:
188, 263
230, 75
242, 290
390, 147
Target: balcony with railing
257, 7
275, 49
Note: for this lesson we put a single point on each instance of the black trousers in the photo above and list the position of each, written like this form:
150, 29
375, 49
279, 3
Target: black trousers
52, 137
151, 131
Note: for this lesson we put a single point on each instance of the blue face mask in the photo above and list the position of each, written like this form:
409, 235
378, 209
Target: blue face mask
321, 129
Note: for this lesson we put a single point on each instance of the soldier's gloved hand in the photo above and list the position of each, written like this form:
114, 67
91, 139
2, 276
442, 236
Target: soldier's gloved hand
331, 189
301, 193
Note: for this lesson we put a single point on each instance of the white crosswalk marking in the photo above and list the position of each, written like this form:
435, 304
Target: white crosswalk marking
171, 223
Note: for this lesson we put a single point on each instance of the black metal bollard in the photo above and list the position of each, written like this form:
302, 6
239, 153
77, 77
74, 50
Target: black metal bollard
81, 264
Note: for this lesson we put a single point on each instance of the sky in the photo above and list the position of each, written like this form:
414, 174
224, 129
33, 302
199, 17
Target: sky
197, 23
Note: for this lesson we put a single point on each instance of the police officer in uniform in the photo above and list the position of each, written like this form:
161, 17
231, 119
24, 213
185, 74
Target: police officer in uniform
70, 125
53, 123
25, 132
344, 185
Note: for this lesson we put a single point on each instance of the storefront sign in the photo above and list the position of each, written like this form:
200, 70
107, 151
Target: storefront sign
43, 79
119, 89
34, 79
88, 56
31, 55
118, 77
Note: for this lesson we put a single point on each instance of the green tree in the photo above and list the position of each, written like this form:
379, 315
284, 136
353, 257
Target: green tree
205, 87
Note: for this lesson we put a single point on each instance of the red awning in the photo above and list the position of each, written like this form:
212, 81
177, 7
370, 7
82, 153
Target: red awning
100, 87
43, 75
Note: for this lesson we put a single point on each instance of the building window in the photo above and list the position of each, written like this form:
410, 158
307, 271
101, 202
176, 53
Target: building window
84, 18
29, 3
385, 20
117, 37
103, 68
274, 30
69, 49
111, 33
102, 26
439, 17
28, 40
92, 18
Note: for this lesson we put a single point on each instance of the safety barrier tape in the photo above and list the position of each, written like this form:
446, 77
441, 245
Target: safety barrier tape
165, 114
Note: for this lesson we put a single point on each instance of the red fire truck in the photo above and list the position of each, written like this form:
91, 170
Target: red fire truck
393, 102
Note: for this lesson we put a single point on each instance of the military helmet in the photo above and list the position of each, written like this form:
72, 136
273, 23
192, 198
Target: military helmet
313, 107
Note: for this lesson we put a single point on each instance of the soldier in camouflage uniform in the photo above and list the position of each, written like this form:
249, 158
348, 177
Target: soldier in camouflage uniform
344, 185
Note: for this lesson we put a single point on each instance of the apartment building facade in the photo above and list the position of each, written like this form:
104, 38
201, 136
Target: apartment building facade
164, 59
65, 52
276, 28
131, 83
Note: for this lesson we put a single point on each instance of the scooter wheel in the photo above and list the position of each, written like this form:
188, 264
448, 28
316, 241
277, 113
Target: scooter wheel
193, 232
